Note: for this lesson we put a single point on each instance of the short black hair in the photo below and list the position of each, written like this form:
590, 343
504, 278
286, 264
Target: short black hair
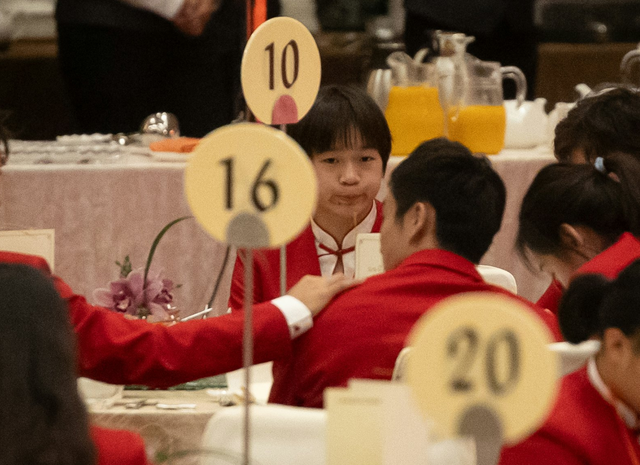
593, 303
339, 113
605, 123
579, 195
466, 193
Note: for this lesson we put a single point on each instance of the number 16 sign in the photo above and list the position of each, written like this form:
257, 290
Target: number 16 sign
280, 71
250, 185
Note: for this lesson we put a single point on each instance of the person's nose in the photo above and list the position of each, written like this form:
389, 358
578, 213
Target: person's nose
350, 174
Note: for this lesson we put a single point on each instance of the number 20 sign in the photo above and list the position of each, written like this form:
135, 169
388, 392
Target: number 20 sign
280, 71
483, 349
250, 185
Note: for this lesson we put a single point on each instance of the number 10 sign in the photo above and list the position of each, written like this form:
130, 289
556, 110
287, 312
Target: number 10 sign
251, 186
280, 71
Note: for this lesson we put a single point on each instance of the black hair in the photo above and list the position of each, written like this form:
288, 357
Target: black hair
44, 420
466, 193
5, 135
338, 114
580, 195
600, 125
593, 303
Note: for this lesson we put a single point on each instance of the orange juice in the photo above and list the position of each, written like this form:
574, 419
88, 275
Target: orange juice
414, 115
479, 127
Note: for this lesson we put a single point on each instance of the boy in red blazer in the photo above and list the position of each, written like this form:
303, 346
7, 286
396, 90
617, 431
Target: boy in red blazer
443, 208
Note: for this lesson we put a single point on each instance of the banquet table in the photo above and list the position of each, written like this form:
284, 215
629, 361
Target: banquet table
168, 431
103, 209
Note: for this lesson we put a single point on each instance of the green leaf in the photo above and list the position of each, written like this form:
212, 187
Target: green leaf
156, 241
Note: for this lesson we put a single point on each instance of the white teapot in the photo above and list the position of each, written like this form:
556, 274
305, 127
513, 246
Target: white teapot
526, 124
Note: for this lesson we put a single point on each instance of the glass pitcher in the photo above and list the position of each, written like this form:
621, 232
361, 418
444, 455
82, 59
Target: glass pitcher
479, 120
451, 65
626, 66
413, 111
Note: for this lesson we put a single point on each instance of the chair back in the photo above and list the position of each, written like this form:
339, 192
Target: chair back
498, 277
280, 435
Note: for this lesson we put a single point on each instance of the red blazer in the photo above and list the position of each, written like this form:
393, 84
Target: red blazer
361, 332
118, 447
302, 259
117, 350
610, 262
583, 429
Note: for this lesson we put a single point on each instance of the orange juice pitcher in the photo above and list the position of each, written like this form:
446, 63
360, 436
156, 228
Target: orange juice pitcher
479, 120
413, 110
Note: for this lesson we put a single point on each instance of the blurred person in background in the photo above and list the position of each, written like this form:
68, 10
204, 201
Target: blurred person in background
123, 60
44, 419
595, 419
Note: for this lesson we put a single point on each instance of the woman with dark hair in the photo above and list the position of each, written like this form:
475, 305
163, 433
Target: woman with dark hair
578, 219
348, 140
596, 417
599, 125
44, 420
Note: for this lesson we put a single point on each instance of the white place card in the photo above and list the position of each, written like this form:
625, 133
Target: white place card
30, 241
368, 256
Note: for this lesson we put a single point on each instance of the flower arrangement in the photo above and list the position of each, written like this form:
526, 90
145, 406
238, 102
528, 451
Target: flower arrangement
143, 292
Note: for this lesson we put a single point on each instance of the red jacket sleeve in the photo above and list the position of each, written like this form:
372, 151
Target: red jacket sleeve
118, 447
117, 350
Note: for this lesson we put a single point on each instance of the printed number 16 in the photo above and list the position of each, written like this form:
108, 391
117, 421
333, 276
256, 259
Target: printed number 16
255, 187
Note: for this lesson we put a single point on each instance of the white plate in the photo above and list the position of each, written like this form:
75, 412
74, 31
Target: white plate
170, 156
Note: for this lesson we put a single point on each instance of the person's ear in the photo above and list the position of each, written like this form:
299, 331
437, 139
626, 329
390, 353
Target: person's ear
617, 347
420, 221
571, 238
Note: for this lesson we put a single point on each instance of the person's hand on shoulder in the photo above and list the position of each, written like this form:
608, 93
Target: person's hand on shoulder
194, 15
316, 291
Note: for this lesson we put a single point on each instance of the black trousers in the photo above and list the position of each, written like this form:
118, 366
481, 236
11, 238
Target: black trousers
117, 77
505, 44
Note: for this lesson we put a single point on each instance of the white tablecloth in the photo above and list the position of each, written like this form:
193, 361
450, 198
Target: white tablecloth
165, 432
102, 212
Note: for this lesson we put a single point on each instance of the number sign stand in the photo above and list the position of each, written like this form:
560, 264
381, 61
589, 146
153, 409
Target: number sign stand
480, 367
269, 185
251, 186
283, 250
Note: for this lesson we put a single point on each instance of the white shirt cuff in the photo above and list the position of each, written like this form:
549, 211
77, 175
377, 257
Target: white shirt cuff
166, 8
296, 313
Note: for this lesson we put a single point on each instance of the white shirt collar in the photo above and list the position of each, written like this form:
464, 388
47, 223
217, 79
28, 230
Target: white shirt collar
328, 262
629, 417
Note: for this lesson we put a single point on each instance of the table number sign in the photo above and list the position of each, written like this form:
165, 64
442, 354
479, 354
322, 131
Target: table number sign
280, 71
480, 367
251, 186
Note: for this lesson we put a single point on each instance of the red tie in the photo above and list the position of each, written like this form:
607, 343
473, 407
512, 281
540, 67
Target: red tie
338, 253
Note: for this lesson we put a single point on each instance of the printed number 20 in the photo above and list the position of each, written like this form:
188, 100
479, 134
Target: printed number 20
293, 46
466, 342
259, 182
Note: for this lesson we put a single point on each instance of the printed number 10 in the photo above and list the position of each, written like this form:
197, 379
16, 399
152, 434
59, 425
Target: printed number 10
293, 46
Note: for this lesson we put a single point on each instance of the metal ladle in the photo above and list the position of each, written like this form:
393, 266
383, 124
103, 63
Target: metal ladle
154, 127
